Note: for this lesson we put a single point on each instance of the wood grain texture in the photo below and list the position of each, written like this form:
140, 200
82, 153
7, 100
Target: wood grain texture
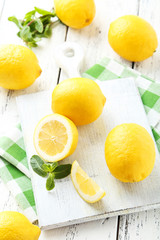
145, 225
103, 229
1, 7
149, 10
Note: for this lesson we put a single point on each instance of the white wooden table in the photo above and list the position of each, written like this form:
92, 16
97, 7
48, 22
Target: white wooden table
144, 225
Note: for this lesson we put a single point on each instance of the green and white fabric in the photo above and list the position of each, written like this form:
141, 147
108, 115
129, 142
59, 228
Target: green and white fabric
14, 171
13, 161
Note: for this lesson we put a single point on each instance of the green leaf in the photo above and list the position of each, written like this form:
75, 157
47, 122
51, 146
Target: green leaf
32, 44
43, 12
38, 25
37, 39
49, 167
46, 20
18, 34
36, 164
33, 28
29, 15
46, 167
62, 171
54, 166
25, 34
50, 182
48, 30
16, 21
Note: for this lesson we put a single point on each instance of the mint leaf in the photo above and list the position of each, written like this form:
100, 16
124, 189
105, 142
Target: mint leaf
52, 170
49, 167
38, 25
37, 39
25, 34
50, 182
32, 44
18, 34
62, 171
16, 21
48, 30
44, 12
29, 15
54, 165
36, 164
46, 167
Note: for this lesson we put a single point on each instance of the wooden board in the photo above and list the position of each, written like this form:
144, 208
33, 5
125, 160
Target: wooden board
123, 105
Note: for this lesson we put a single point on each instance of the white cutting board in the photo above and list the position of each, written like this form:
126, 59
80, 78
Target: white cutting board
63, 206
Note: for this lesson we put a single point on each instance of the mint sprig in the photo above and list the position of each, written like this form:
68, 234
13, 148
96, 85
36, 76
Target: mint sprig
50, 170
37, 24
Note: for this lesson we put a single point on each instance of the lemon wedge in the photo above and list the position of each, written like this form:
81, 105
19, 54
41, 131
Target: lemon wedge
85, 186
55, 137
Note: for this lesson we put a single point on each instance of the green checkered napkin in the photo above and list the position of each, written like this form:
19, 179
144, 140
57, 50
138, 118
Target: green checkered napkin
13, 162
14, 171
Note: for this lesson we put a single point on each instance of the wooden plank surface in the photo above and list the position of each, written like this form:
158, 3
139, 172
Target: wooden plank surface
149, 9
103, 230
145, 225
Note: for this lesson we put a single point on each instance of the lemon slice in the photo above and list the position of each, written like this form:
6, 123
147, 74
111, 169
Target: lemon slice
55, 137
85, 186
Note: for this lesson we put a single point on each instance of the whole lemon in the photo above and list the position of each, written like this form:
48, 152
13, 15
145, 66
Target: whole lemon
132, 38
75, 13
130, 152
18, 67
15, 226
79, 99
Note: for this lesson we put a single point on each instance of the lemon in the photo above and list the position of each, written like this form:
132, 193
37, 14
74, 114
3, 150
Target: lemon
18, 67
85, 186
15, 226
75, 13
132, 38
55, 137
130, 152
79, 99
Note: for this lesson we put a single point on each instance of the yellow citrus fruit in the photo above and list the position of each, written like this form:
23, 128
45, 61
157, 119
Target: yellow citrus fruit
75, 13
15, 226
130, 152
79, 99
18, 67
55, 137
132, 38
85, 186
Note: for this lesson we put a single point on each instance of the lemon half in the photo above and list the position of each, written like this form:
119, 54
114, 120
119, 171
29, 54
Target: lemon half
55, 137
85, 186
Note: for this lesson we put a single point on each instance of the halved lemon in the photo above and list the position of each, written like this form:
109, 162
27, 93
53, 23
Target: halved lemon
55, 137
85, 186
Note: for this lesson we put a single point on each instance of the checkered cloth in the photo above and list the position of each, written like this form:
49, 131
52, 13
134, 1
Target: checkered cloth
14, 171
13, 162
